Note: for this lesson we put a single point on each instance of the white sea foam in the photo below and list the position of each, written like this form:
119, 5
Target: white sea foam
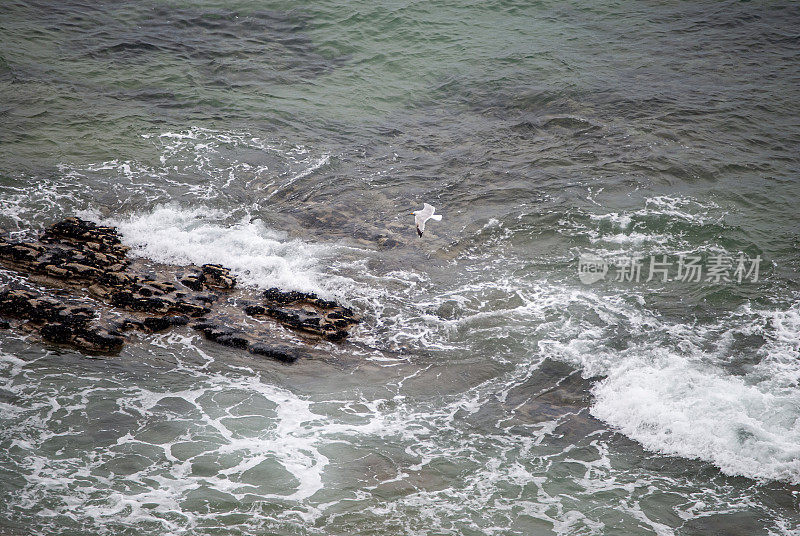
671, 394
634, 238
623, 221
160, 490
196, 165
684, 208
630, 229
256, 254
673, 405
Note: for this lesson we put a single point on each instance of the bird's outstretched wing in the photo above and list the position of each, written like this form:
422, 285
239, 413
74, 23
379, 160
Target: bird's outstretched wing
419, 232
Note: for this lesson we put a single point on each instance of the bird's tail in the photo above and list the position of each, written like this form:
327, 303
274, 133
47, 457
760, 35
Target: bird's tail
437, 217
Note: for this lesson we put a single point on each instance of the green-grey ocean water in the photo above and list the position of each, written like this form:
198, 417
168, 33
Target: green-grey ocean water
488, 390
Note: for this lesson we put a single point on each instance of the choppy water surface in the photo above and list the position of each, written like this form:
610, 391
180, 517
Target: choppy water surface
488, 390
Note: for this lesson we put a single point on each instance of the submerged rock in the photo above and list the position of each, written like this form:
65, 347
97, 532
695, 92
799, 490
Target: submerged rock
90, 261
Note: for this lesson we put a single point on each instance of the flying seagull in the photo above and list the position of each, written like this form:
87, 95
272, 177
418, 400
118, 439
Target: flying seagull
421, 216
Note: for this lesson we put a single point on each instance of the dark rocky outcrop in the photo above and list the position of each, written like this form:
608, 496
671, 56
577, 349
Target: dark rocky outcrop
305, 312
92, 264
60, 322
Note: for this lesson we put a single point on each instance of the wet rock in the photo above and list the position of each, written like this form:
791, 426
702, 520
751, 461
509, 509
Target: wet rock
179, 320
151, 304
161, 323
146, 292
157, 323
161, 287
283, 354
57, 333
56, 271
99, 292
99, 341
236, 340
123, 298
75, 316
20, 252
191, 309
276, 295
116, 278
215, 331
88, 264
225, 335
29, 305
59, 322
205, 298
255, 310
388, 242
217, 276
130, 323
335, 334
194, 282
305, 312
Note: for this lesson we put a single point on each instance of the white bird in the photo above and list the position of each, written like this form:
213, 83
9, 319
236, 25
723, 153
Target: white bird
421, 216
